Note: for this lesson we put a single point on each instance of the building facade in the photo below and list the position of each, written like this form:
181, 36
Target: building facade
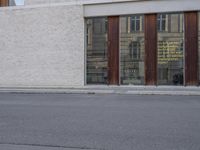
72, 43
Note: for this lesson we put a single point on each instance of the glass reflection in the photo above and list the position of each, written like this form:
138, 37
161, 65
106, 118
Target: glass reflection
96, 50
132, 49
16, 2
170, 49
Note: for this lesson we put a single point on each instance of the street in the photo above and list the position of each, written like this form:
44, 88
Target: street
99, 122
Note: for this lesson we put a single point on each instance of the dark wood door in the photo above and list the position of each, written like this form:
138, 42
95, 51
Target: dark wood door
191, 48
150, 49
113, 50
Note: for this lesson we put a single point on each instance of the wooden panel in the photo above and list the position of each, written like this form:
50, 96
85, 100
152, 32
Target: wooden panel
191, 48
3, 3
150, 49
113, 50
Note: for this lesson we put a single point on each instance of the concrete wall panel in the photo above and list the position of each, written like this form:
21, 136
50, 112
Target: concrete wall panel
36, 2
42, 47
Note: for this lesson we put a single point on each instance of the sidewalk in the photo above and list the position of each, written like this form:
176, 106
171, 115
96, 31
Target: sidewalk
102, 89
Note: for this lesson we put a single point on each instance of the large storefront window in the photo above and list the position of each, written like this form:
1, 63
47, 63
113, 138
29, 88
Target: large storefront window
170, 49
132, 50
96, 50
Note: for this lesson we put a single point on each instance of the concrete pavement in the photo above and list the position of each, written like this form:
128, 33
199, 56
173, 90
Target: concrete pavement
104, 89
99, 122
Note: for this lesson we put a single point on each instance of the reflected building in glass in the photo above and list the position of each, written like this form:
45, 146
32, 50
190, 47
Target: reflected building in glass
132, 50
170, 50
97, 61
170, 54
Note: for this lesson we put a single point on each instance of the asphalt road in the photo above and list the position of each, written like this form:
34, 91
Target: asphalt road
99, 122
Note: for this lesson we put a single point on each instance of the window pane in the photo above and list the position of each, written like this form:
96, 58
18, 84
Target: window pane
162, 20
163, 25
133, 27
96, 50
158, 25
138, 25
132, 54
170, 55
135, 23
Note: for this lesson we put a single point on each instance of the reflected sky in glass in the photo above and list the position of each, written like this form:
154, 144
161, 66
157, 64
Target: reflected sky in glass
19, 2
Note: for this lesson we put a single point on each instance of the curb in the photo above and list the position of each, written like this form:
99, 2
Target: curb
185, 91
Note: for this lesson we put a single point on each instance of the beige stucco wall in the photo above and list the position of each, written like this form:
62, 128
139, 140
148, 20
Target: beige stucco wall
42, 47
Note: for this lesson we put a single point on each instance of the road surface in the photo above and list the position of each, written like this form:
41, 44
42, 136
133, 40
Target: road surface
99, 122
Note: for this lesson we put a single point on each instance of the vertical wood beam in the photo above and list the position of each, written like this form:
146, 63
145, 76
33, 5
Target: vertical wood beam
3, 3
150, 29
113, 50
191, 48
